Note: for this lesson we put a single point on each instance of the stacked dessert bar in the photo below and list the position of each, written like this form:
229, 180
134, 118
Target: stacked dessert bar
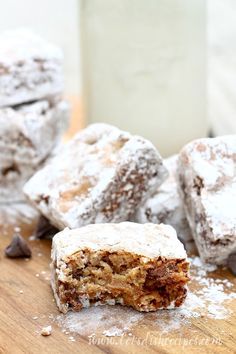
165, 205
100, 176
207, 180
33, 115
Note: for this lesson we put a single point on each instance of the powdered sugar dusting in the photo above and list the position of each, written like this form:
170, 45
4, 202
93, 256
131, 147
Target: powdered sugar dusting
22, 44
202, 268
27, 126
207, 179
15, 213
31, 68
101, 175
131, 237
208, 298
165, 205
211, 295
106, 320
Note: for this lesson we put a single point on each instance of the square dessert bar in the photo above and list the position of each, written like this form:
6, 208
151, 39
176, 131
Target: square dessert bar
30, 68
28, 133
166, 206
142, 266
207, 179
102, 175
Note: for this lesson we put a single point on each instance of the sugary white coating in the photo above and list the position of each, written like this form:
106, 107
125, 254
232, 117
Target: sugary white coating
207, 179
28, 134
165, 205
146, 240
30, 68
102, 175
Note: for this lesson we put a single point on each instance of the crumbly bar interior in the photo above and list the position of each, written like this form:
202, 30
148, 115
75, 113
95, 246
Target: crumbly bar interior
102, 277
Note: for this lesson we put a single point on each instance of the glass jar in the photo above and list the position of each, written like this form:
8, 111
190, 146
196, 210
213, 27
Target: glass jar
143, 68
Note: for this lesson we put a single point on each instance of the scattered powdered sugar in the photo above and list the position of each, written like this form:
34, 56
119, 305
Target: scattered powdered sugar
113, 332
106, 320
208, 298
211, 295
214, 297
205, 267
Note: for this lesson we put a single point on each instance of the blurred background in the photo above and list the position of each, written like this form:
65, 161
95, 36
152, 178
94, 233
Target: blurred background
163, 69
55, 20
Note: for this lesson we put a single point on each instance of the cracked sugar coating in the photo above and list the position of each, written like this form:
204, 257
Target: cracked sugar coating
142, 266
148, 240
30, 68
102, 175
207, 179
28, 133
165, 205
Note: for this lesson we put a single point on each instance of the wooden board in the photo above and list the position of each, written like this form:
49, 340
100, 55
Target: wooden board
25, 293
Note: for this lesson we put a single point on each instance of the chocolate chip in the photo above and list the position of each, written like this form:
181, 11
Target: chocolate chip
18, 248
231, 262
44, 229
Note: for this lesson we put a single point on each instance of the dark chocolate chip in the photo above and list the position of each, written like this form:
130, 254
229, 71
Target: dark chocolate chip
18, 248
44, 229
231, 262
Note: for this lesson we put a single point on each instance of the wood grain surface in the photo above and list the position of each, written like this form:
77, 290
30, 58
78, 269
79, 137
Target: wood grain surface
27, 305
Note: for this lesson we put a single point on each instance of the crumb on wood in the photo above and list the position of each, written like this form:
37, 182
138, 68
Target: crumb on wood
46, 331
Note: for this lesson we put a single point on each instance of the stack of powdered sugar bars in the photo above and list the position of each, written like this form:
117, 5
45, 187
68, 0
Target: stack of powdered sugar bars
33, 114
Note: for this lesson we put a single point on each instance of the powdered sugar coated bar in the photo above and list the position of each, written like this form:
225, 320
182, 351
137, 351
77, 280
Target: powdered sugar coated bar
142, 266
28, 133
165, 205
102, 175
30, 68
207, 178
